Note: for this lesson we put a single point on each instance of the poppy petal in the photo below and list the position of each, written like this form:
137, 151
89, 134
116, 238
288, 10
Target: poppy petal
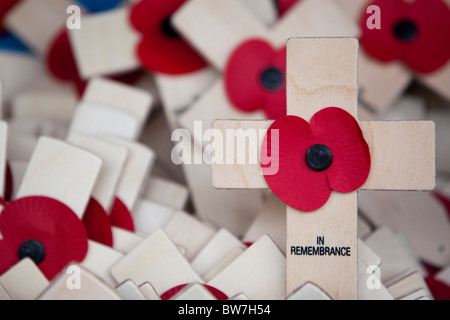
219, 295
159, 54
351, 156
5, 6
244, 74
48, 221
162, 49
97, 223
121, 217
284, 5
294, 183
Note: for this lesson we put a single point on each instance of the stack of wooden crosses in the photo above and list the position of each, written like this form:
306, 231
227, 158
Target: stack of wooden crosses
225, 150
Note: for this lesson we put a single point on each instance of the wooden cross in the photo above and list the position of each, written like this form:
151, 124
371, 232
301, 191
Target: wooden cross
382, 83
233, 24
322, 72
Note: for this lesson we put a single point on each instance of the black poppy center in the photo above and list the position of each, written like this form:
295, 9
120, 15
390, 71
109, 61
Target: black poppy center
272, 79
319, 157
168, 29
405, 30
32, 249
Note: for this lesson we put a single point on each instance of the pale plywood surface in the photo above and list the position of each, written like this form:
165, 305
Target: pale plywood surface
158, 261
17, 73
148, 291
61, 171
417, 142
37, 22
128, 290
407, 285
24, 281
395, 259
188, 231
265, 10
380, 86
194, 291
91, 288
439, 81
105, 44
18, 169
219, 246
419, 216
166, 192
211, 105
117, 95
113, 160
149, 217
3, 294
338, 276
99, 260
231, 209
178, 92
368, 287
222, 264
125, 241
271, 221
139, 163
220, 17
54, 104
96, 119
259, 273
308, 291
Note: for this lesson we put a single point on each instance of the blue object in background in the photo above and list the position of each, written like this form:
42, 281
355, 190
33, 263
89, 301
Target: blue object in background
99, 5
8, 42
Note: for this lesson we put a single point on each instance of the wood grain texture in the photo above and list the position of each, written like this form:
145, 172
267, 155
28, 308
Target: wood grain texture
136, 171
91, 288
219, 246
259, 273
188, 231
418, 216
24, 281
113, 160
99, 261
106, 43
61, 171
158, 261
37, 22
220, 17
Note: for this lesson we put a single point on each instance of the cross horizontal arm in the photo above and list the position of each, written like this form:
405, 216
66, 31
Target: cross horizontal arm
402, 155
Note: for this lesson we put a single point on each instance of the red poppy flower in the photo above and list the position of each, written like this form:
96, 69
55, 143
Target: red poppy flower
312, 159
62, 65
121, 217
416, 33
5, 6
97, 224
161, 48
43, 229
219, 295
284, 5
439, 290
255, 78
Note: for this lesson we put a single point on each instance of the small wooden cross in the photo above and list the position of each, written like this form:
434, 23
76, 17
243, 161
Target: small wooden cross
322, 72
